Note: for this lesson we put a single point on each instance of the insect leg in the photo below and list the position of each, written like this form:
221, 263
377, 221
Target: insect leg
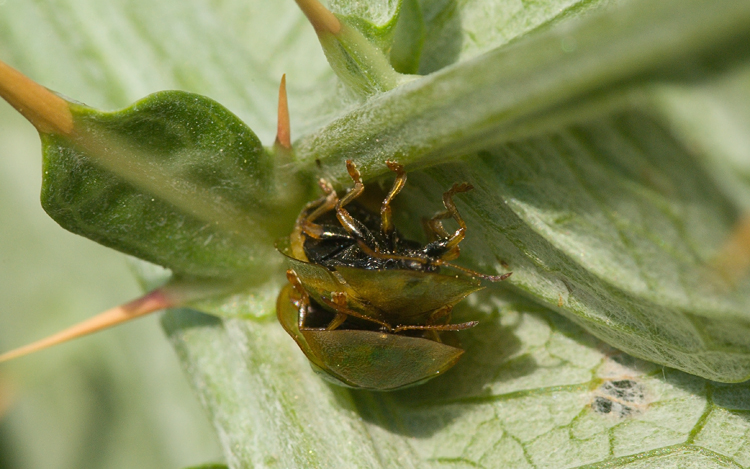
381, 255
386, 222
450, 206
473, 273
328, 201
438, 327
305, 221
297, 286
302, 300
356, 229
339, 299
441, 315
433, 228
346, 220
443, 244
340, 307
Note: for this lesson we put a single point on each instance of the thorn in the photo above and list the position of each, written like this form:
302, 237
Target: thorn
48, 112
319, 16
148, 303
283, 129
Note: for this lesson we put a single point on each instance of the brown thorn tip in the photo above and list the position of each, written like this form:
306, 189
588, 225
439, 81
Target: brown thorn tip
319, 16
283, 129
48, 112
148, 303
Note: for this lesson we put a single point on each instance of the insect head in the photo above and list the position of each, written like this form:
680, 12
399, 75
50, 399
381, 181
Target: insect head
369, 308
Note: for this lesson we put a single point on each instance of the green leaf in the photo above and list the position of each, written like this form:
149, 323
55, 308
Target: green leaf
591, 183
357, 51
376, 20
553, 160
455, 32
409, 38
175, 179
116, 400
533, 390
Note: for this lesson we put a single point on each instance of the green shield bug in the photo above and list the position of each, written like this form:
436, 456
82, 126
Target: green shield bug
367, 307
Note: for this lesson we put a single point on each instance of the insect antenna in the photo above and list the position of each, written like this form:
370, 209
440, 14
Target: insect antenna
474, 273
438, 327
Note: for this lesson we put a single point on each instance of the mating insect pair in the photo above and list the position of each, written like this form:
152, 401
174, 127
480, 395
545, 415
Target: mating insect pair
366, 306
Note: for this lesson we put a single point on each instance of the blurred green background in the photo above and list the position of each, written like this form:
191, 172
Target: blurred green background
116, 399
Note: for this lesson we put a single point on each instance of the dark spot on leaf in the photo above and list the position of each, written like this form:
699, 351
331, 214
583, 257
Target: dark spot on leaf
620, 398
602, 406
626, 390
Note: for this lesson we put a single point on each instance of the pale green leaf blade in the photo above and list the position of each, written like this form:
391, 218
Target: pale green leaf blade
711, 117
458, 31
535, 84
269, 407
550, 396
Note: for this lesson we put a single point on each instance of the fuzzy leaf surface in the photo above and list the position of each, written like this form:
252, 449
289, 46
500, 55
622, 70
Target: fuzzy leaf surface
606, 206
549, 385
553, 160
175, 179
